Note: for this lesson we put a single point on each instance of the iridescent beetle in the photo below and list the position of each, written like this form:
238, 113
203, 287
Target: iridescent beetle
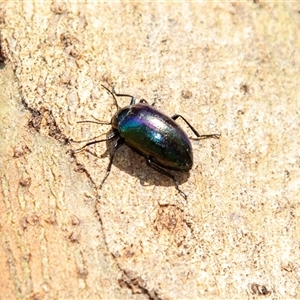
153, 135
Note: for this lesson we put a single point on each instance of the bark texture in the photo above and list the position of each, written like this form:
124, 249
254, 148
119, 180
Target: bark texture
229, 68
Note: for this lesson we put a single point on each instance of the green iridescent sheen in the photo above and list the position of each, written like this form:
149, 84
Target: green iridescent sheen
154, 135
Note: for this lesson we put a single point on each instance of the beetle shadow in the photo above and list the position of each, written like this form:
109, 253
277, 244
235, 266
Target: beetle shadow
134, 164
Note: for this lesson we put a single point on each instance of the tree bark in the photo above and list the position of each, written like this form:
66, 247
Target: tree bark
228, 68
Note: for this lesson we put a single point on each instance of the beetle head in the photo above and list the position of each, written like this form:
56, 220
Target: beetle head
119, 116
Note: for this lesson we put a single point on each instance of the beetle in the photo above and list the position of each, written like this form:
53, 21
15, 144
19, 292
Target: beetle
152, 134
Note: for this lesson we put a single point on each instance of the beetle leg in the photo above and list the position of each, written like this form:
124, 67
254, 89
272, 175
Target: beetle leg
117, 145
163, 171
202, 136
145, 101
110, 137
207, 136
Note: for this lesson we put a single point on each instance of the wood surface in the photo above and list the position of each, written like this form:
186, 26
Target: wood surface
229, 68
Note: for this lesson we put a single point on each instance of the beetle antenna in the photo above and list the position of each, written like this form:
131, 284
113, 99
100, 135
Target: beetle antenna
88, 140
95, 122
112, 136
113, 94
